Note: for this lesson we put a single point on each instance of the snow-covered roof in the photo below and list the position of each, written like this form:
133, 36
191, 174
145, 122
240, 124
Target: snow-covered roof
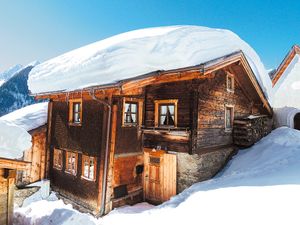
29, 117
287, 87
284, 67
139, 52
14, 140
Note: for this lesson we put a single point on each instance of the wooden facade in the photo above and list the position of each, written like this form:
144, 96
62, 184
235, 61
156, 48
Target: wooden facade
188, 110
8, 169
37, 156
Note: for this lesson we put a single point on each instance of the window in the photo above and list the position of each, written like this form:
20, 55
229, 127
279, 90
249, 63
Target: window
230, 82
57, 159
75, 111
71, 162
89, 167
229, 114
166, 113
130, 113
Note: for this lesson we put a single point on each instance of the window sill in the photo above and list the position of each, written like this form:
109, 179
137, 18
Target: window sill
57, 168
88, 179
228, 130
130, 125
75, 124
70, 173
167, 128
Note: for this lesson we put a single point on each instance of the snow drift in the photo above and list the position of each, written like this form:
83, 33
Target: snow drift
29, 117
259, 186
139, 52
14, 140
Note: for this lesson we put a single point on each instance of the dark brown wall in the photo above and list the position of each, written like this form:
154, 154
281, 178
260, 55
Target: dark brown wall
83, 139
207, 124
177, 90
128, 139
213, 96
86, 138
184, 92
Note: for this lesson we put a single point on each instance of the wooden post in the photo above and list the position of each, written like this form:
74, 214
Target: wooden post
109, 191
48, 140
10, 200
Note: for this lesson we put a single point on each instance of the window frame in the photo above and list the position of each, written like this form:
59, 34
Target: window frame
139, 112
125, 113
67, 169
72, 102
230, 76
157, 104
56, 152
87, 157
231, 107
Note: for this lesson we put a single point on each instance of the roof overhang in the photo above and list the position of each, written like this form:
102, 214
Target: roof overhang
201, 71
285, 63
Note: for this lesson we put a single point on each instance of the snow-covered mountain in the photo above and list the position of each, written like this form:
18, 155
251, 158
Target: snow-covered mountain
14, 93
6, 75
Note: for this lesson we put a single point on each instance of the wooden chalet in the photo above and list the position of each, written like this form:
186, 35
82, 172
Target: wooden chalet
8, 170
129, 141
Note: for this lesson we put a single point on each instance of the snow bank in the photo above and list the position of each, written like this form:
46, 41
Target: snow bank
259, 186
14, 140
29, 117
139, 52
51, 213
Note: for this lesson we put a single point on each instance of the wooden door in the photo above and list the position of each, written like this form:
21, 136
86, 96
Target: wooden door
159, 176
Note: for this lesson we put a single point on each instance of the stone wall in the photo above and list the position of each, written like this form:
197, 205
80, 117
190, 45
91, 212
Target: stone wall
199, 167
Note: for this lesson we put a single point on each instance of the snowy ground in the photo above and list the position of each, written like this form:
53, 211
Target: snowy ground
261, 185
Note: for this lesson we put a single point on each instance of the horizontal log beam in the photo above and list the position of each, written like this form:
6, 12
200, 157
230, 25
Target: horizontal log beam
14, 164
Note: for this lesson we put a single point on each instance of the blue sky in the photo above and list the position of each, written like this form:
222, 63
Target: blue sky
39, 29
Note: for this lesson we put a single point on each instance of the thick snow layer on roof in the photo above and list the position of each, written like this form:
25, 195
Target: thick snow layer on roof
139, 52
287, 88
14, 140
260, 185
29, 117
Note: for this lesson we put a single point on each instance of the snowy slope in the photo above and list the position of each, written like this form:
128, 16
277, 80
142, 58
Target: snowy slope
261, 185
29, 117
6, 75
14, 140
14, 93
139, 52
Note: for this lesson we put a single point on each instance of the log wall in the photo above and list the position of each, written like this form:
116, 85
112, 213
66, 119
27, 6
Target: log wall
128, 138
85, 139
37, 156
184, 92
6, 197
213, 97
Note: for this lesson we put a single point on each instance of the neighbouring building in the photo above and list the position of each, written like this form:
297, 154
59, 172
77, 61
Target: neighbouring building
33, 119
138, 119
286, 88
14, 141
